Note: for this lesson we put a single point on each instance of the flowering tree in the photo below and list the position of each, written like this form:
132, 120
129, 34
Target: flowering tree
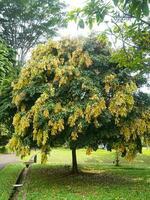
71, 92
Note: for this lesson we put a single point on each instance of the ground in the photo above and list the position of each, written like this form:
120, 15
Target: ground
8, 158
99, 179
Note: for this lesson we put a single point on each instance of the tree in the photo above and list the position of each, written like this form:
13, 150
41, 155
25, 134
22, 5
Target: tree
134, 8
97, 11
71, 92
7, 59
126, 22
8, 72
24, 23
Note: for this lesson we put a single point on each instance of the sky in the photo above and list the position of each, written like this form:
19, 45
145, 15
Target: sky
72, 30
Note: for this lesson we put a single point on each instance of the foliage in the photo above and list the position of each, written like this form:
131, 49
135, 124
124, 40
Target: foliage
99, 11
134, 7
70, 92
128, 24
8, 72
7, 59
25, 23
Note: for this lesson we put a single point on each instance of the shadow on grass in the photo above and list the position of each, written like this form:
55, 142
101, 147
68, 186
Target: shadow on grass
59, 174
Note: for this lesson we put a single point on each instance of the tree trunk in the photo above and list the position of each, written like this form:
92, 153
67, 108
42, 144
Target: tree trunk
74, 161
117, 158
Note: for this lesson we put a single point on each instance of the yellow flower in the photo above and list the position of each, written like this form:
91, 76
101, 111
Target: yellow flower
58, 108
39, 137
46, 113
93, 111
89, 151
108, 82
16, 119
74, 135
57, 127
76, 115
50, 123
23, 108
18, 98
45, 137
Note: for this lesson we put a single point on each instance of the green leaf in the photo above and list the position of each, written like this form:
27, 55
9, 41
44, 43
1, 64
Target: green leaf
81, 23
145, 8
116, 2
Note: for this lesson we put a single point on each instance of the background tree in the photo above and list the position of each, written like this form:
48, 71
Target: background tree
8, 73
71, 92
7, 59
97, 11
24, 23
127, 22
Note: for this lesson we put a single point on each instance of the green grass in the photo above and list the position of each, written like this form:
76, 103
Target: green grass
8, 177
99, 178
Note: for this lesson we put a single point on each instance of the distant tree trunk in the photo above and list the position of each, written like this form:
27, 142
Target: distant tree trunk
117, 158
74, 161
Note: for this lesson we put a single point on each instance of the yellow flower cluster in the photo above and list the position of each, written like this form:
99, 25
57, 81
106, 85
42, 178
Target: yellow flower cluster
94, 110
14, 143
44, 151
37, 107
23, 79
24, 123
41, 100
130, 87
126, 132
75, 116
138, 126
63, 75
121, 104
121, 148
84, 60
44, 157
74, 135
21, 123
16, 119
57, 126
40, 136
63, 80
58, 108
58, 74
89, 151
24, 150
46, 113
23, 108
17, 99
45, 137
108, 81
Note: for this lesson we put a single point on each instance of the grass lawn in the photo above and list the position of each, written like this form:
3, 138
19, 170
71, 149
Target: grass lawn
8, 177
99, 178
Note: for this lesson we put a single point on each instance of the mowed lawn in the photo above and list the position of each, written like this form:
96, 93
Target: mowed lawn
8, 177
99, 179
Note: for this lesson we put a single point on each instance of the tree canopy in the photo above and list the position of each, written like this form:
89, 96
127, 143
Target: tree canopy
24, 23
70, 91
